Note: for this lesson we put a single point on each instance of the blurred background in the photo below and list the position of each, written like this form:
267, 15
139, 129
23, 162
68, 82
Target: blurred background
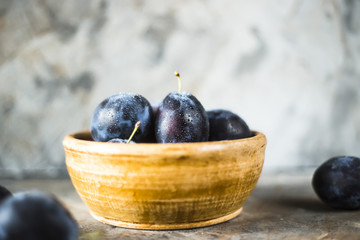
289, 68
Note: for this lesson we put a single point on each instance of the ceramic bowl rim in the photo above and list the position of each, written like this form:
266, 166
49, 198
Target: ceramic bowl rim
74, 142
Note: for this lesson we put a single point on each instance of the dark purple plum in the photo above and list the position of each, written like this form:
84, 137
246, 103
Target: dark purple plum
4, 193
337, 182
35, 215
226, 125
115, 117
181, 118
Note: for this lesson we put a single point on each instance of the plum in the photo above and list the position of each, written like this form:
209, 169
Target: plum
115, 117
119, 140
181, 118
337, 182
226, 125
36, 215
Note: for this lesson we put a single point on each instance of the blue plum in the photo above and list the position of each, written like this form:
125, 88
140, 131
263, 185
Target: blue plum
226, 125
35, 215
337, 182
115, 117
181, 118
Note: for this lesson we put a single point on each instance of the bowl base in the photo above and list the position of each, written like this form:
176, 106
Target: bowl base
146, 226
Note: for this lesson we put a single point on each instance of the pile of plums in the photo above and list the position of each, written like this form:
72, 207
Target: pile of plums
34, 215
179, 118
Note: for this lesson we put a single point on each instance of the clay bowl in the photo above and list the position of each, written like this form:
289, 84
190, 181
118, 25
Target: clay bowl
164, 186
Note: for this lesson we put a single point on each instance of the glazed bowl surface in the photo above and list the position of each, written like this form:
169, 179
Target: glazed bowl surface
164, 186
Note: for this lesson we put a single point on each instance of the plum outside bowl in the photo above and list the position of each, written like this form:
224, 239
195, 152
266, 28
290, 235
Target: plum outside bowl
164, 186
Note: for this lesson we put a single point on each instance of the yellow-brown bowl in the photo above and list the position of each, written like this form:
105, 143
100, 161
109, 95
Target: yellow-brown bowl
164, 186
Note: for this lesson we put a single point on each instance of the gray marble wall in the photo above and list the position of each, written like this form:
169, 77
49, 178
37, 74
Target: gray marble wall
290, 68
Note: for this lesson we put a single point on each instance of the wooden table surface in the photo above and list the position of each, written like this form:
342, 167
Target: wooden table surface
282, 206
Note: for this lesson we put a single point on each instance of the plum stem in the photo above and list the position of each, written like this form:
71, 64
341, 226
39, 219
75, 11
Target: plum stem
179, 81
137, 125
